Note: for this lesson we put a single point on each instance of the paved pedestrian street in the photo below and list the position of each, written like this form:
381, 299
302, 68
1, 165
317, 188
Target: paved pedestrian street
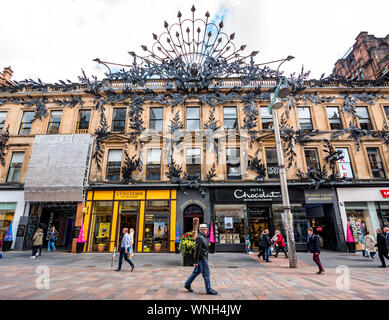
237, 276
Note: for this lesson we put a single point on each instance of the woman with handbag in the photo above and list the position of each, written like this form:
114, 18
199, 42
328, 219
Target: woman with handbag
53, 236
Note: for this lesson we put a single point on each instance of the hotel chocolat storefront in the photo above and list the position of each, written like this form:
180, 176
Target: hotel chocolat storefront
240, 211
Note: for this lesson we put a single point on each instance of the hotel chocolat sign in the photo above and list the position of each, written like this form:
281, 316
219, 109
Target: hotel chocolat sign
248, 194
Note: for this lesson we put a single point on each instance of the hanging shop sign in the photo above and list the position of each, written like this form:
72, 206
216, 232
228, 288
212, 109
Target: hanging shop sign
385, 193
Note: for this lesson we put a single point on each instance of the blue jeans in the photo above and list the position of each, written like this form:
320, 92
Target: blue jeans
124, 255
267, 253
202, 268
51, 244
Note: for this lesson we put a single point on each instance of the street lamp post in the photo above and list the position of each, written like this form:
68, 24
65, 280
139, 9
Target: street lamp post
287, 216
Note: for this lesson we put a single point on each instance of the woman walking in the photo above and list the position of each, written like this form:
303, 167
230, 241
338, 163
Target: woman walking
53, 236
370, 246
382, 248
132, 242
37, 242
280, 244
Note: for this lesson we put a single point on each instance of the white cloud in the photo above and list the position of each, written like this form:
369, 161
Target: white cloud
54, 39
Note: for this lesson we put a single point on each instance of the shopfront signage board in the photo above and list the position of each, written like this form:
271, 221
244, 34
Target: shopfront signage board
320, 196
385, 193
130, 195
248, 194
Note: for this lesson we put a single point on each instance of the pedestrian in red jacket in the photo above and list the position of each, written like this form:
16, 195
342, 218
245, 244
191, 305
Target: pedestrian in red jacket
280, 244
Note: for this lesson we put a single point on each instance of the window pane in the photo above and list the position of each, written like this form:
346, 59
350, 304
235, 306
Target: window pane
28, 116
266, 118
115, 155
233, 164
230, 124
193, 113
156, 113
272, 163
193, 124
312, 159
156, 125
304, 116
15, 167
154, 156
193, 162
375, 163
230, 118
119, 119
386, 108
344, 164
3, 115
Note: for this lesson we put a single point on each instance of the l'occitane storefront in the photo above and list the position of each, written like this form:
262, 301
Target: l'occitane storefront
151, 213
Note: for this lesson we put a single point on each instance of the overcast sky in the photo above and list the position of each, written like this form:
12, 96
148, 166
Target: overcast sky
53, 40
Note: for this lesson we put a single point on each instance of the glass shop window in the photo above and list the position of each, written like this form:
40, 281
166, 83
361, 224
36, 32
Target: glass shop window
26, 124
363, 117
119, 120
376, 165
233, 164
305, 120
266, 119
153, 164
383, 213
230, 118
101, 222
193, 118
15, 167
193, 162
156, 232
54, 122
7, 212
156, 119
334, 118
300, 222
230, 223
114, 164
358, 221
273, 171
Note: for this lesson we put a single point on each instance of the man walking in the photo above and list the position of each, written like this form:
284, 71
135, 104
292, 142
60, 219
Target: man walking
268, 245
201, 261
383, 248
261, 244
314, 247
124, 249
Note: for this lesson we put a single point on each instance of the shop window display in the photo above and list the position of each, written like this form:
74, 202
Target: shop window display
7, 211
383, 213
230, 224
156, 232
101, 226
358, 218
300, 222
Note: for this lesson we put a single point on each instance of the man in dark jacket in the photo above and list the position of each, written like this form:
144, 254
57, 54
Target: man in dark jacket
267, 243
314, 247
383, 247
261, 244
201, 261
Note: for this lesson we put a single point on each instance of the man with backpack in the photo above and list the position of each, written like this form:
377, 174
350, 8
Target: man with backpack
314, 247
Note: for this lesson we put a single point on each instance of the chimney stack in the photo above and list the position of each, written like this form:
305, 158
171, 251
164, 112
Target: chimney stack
5, 76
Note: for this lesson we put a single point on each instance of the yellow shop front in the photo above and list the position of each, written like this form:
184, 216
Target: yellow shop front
151, 213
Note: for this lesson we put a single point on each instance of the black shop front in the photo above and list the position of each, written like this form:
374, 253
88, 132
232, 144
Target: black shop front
240, 211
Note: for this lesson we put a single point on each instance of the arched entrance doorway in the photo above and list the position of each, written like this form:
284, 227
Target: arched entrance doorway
190, 212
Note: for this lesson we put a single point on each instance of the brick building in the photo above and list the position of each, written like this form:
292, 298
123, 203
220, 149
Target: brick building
367, 59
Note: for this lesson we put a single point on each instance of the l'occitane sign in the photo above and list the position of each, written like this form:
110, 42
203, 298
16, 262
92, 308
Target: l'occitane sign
130, 195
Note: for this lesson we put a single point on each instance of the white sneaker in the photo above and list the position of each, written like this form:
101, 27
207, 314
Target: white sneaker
32, 257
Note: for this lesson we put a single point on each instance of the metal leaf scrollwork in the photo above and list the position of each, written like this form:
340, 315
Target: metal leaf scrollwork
211, 173
4, 137
382, 134
355, 134
256, 165
130, 165
101, 134
71, 102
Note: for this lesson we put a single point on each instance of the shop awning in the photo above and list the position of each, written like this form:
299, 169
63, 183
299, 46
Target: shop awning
58, 168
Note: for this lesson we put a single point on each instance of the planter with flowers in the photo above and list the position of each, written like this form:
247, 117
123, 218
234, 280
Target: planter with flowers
187, 248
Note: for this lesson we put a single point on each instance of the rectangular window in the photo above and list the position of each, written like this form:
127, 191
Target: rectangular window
334, 118
3, 115
153, 164
358, 222
83, 121
119, 120
193, 118
114, 164
273, 171
54, 122
304, 115
312, 159
230, 223
386, 108
156, 226
266, 119
193, 162
233, 164
363, 117
344, 164
156, 119
7, 212
376, 166
230, 118
100, 226
25, 126
15, 167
